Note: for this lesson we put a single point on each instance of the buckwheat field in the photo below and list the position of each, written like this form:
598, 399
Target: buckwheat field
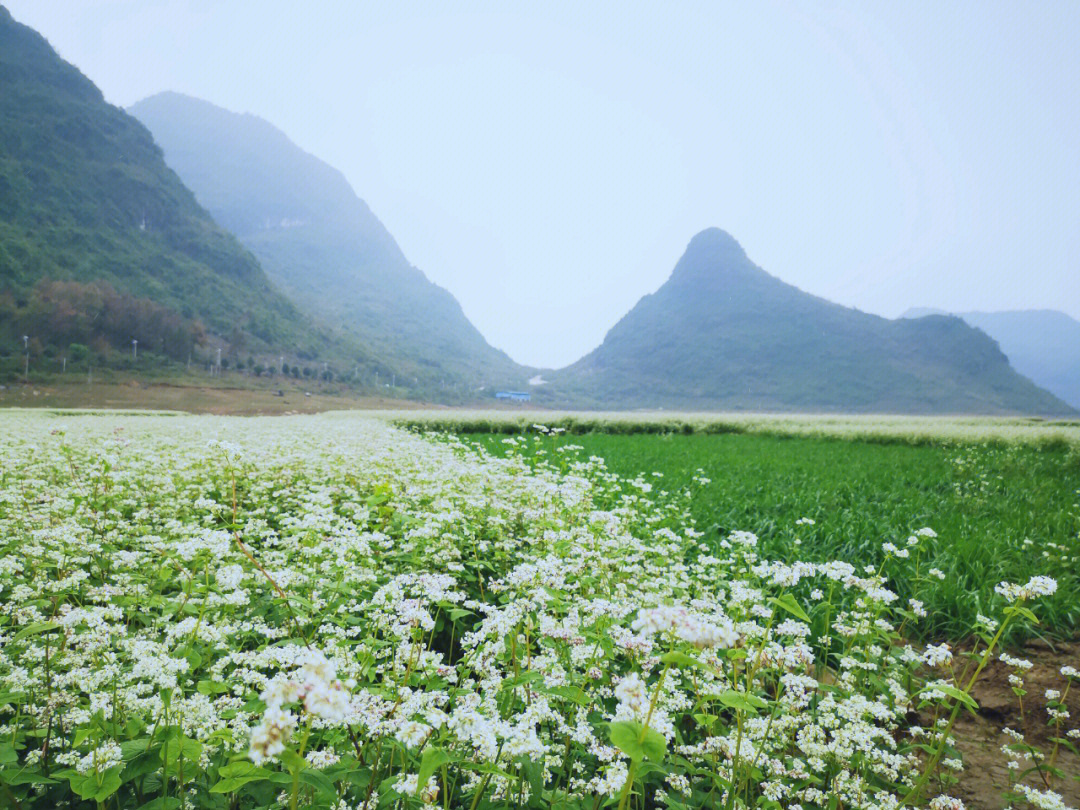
332, 612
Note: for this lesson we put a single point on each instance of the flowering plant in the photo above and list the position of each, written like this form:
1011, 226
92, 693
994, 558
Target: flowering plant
333, 613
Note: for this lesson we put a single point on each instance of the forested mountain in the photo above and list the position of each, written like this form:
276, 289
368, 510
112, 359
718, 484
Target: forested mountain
318, 240
1042, 344
101, 242
723, 333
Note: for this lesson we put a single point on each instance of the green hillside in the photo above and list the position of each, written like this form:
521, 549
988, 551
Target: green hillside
1042, 344
723, 333
100, 241
321, 243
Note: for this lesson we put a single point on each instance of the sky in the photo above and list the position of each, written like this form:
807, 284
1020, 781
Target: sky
548, 162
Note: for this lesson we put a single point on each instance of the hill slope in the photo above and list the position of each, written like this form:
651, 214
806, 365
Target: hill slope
321, 242
86, 199
723, 333
1042, 344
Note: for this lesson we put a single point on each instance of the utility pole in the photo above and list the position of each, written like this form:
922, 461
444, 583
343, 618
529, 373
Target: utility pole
63, 369
218, 362
26, 360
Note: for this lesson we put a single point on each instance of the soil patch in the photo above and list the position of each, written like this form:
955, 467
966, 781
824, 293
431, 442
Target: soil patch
986, 775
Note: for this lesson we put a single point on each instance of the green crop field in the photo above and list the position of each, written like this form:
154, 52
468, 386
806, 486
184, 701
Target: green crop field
1000, 510
332, 612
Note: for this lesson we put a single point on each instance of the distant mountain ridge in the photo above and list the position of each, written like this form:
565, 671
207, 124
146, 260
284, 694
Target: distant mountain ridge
95, 227
318, 240
723, 333
89, 209
1042, 344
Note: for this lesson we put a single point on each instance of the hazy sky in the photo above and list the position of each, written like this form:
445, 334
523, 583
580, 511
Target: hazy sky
548, 163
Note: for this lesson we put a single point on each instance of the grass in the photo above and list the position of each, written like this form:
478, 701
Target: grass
879, 428
1002, 512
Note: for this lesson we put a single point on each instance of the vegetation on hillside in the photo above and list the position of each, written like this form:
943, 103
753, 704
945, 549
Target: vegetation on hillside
86, 197
322, 244
1042, 344
722, 333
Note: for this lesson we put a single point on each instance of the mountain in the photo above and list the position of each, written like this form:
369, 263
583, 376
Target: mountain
723, 333
100, 240
321, 243
1042, 344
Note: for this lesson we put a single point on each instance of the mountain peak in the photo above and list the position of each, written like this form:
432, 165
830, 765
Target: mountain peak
714, 241
711, 255
723, 333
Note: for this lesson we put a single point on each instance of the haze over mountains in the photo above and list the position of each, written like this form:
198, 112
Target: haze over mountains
1042, 344
96, 230
321, 243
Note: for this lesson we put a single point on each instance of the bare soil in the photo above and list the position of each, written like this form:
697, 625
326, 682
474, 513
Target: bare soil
985, 778
242, 401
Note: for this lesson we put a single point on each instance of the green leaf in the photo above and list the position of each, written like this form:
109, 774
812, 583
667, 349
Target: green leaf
705, 719
34, 629
571, 693
433, 759
25, 777
654, 744
742, 702
293, 762
181, 748
229, 785
523, 678
787, 602
110, 783
534, 774
320, 781
242, 767
680, 659
84, 786
161, 803
142, 764
624, 736
209, 688
627, 736
1023, 611
953, 692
